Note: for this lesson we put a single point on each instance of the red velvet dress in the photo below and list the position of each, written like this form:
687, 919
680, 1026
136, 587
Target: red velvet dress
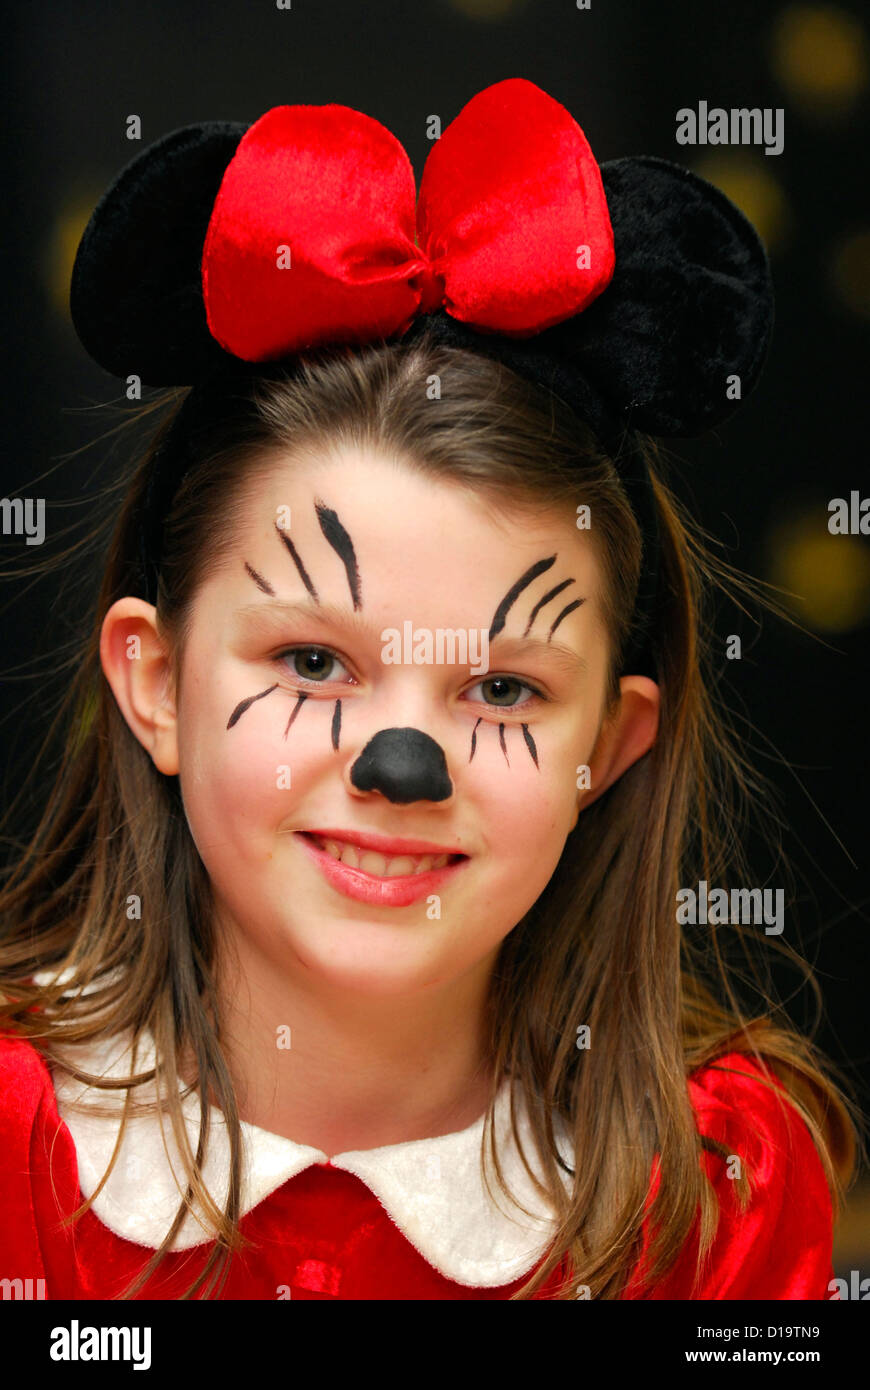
407, 1221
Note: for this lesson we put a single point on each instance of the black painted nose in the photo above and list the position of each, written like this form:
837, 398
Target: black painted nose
403, 764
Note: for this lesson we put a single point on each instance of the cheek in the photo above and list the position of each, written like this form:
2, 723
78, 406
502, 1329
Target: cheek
526, 812
526, 807
238, 783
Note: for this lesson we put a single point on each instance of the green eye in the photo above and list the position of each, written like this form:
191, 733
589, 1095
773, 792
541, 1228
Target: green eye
312, 663
504, 691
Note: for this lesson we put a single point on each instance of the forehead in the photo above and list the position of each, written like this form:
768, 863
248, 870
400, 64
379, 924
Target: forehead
406, 521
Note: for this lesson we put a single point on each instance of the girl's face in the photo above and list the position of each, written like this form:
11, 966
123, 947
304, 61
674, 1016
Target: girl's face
390, 672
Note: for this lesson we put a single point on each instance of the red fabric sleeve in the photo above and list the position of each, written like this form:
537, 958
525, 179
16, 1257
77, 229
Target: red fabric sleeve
22, 1084
780, 1246
38, 1176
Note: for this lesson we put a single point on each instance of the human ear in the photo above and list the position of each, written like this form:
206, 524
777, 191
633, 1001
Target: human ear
135, 661
625, 735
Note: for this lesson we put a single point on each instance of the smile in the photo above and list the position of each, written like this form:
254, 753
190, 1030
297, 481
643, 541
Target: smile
388, 879
379, 865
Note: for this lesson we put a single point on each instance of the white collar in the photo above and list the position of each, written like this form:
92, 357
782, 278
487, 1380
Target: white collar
431, 1188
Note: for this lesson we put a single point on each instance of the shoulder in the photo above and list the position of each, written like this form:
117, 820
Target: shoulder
743, 1105
26, 1098
774, 1234
38, 1176
25, 1085
30, 1124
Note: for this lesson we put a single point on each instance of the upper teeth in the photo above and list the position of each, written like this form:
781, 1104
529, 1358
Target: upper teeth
382, 866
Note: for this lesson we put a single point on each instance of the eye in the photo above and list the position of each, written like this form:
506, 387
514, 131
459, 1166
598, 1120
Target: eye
504, 690
314, 664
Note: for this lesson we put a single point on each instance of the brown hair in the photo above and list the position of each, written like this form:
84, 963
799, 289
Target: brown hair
615, 958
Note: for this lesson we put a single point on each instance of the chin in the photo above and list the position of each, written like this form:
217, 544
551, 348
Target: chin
362, 958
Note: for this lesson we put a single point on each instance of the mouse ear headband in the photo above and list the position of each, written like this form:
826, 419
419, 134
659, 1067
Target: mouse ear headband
635, 290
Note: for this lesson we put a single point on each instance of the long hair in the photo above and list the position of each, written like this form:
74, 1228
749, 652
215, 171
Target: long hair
600, 947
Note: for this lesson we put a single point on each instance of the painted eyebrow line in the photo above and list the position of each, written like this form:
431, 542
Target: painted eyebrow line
560, 654
513, 593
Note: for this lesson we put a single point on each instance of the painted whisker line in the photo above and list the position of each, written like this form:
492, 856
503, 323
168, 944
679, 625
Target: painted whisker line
246, 704
342, 544
303, 573
296, 708
514, 592
474, 738
260, 582
336, 724
564, 613
530, 743
546, 599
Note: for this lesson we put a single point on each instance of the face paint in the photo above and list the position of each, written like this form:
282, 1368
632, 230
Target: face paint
404, 765
514, 592
296, 708
530, 743
342, 545
474, 740
546, 599
381, 761
564, 613
303, 573
497, 625
382, 752
246, 704
516, 589
260, 582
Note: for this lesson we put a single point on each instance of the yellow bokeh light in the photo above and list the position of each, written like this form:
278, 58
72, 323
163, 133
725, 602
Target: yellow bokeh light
60, 249
819, 55
850, 272
827, 576
748, 181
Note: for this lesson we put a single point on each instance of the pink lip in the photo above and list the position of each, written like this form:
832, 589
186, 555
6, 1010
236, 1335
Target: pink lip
368, 888
384, 844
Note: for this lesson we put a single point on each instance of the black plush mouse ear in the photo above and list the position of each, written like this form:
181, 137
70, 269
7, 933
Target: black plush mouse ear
136, 290
680, 336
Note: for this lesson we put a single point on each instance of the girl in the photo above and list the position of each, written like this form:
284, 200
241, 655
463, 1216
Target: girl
347, 959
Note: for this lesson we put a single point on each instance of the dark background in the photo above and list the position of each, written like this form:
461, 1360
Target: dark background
74, 72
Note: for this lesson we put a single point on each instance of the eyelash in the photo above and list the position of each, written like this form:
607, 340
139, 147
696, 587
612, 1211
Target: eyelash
307, 683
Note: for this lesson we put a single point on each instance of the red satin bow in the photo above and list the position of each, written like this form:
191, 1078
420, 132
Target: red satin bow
312, 236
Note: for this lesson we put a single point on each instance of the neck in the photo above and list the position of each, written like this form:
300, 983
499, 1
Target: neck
342, 1072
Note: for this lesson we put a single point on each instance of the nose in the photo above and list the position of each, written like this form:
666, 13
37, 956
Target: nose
404, 765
